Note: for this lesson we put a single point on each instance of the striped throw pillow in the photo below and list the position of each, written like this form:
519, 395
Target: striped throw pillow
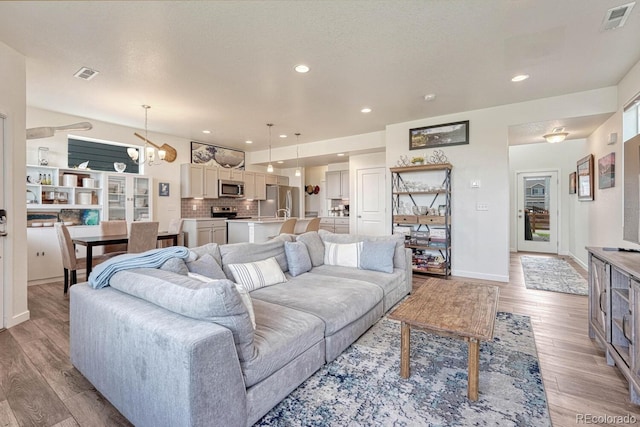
255, 275
342, 254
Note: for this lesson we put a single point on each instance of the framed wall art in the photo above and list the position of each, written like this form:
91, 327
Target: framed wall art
163, 189
214, 155
572, 183
439, 135
607, 171
585, 178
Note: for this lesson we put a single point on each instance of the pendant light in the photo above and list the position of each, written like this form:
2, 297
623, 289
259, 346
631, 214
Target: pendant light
297, 154
270, 166
148, 149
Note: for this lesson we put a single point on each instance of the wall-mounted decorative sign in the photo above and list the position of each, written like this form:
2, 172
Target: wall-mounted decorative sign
572, 183
163, 189
439, 135
213, 155
585, 178
607, 171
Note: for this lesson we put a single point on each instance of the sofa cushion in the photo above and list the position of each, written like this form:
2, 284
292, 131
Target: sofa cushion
297, 258
258, 274
314, 245
241, 253
336, 302
343, 254
175, 265
217, 301
207, 266
377, 255
281, 334
399, 257
210, 248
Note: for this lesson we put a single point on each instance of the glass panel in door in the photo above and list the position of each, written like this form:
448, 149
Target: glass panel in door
537, 212
117, 197
140, 199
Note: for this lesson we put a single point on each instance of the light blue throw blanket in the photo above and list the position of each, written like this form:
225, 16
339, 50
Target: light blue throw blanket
101, 274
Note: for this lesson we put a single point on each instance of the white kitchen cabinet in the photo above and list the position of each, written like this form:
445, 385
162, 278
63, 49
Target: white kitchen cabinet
128, 198
271, 179
200, 231
282, 180
231, 174
338, 225
44, 259
255, 187
198, 181
337, 184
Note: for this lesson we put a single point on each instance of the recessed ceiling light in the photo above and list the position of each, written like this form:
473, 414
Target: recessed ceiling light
248, 142
340, 154
206, 131
366, 110
283, 136
430, 97
280, 161
520, 77
302, 68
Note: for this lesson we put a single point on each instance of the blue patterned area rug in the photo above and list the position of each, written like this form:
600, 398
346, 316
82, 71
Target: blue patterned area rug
552, 274
362, 387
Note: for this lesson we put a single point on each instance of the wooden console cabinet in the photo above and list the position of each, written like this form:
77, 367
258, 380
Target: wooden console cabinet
614, 311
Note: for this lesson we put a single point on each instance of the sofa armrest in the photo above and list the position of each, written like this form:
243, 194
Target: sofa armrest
155, 366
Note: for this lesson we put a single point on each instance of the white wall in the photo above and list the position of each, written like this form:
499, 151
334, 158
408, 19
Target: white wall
315, 202
13, 105
544, 156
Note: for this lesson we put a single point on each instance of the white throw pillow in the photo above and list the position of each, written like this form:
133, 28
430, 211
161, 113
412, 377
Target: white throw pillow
342, 254
244, 295
255, 275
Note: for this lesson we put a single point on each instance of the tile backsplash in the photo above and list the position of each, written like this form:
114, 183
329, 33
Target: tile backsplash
203, 207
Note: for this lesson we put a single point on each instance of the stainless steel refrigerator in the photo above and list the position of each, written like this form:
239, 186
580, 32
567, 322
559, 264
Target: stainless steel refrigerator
280, 197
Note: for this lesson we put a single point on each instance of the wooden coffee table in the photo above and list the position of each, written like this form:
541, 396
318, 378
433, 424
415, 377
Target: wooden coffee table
449, 308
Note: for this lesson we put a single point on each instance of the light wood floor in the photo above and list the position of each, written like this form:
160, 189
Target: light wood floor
39, 387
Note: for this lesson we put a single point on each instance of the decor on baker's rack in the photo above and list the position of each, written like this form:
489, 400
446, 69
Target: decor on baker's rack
607, 171
585, 178
572, 183
456, 133
436, 158
165, 153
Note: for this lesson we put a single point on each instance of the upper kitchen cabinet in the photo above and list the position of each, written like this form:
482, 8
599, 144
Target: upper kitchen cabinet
255, 187
230, 174
272, 179
198, 181
337, 184
128, 198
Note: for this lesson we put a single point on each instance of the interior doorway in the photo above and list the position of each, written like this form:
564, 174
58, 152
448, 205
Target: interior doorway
537, 211
372, 194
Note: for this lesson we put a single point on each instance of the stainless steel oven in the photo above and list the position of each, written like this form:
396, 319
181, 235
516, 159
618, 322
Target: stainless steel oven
230, 188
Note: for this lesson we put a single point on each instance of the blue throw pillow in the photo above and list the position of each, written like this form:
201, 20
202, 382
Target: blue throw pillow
377, 256
297, 258
207, 266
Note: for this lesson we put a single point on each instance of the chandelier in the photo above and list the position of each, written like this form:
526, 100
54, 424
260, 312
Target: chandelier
149, 149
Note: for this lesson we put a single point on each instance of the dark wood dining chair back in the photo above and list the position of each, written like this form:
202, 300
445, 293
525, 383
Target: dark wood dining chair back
142, 237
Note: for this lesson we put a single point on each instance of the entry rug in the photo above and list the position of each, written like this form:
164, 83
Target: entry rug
552, 274
362, 387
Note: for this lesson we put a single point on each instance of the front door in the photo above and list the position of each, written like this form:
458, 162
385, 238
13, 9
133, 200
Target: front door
372, 191
537, 211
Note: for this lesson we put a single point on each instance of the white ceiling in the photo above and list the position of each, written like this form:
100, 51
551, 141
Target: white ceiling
228, 66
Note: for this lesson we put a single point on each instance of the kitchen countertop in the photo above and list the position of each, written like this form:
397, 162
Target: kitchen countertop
263, 220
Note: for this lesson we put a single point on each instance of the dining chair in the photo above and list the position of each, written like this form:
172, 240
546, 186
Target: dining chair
175, 226
313, 225
288, 226
70, 262
142, 237
113, 228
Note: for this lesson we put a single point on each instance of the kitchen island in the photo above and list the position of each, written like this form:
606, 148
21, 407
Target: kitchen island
255, 230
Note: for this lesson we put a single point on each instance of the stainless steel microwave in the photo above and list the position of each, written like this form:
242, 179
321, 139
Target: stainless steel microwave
228, 188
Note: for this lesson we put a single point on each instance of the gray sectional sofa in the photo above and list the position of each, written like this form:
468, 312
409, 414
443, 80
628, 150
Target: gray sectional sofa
167, 349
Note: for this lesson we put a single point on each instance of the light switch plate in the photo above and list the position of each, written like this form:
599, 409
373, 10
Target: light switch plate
475, 183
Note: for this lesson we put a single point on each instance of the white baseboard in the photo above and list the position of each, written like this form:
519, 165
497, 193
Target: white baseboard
17, 319
481, 276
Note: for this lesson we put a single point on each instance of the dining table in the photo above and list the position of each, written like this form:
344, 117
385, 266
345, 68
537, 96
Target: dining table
91, 241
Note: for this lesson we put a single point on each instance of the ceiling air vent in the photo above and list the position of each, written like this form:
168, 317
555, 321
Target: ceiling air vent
617, 16
85, 73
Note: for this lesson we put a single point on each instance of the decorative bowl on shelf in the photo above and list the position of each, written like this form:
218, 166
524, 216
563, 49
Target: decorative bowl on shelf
419, 210
119, 167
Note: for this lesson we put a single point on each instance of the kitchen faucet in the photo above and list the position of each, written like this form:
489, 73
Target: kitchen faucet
286, 213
